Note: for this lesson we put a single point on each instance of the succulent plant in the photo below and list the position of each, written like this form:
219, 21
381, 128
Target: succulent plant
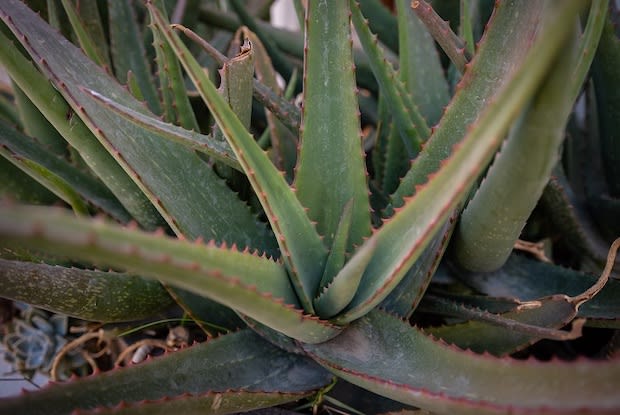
33, 339
324, 241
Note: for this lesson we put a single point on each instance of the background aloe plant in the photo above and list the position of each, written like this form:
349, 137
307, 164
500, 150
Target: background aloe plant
314, 237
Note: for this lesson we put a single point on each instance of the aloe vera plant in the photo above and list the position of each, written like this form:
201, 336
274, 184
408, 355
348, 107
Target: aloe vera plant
314, 242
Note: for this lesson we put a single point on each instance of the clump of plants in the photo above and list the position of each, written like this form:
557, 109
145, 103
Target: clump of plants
434, 226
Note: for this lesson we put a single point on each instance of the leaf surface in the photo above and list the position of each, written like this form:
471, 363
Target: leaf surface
521, 278
54, 107
331, 155
128, 53
387, 356
111, 296
23, 148
301, 247
174, 178
241, 368
253, 285
415, 224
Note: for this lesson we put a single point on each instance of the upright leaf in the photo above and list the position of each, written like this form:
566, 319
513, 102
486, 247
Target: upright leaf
302, 249
496, 215
128, 52
414, 226
177, 107
411, 126
331, 155
420, 68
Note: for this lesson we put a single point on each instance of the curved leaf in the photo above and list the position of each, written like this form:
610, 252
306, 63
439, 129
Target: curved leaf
387, 356
495, 216
253, 285
111, 296
238, 368
521, 278
508, 332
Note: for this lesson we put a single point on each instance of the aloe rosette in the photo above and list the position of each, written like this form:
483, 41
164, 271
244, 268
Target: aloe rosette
325, 263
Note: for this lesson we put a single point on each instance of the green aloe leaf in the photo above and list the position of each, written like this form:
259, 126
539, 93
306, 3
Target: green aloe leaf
176, 103
426, 83
608, 102
338, 289
17, 185
382, 23
36, 125
219, 150
500, 54
411, 125
238, 370
520, 279
338, 253
50, 180
302, 249
375, 353
331, 155
494, 218
128, 53
24, 149
173, 178
53, 106
509, 332
518, 176
111, 296
90, 39
253, 285
283, 142
8, 111
415, 224
598, 28
571, 219
405, 297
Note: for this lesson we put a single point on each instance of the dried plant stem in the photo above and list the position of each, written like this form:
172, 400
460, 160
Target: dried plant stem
534, 248
501, 321
451, 44
598, 286
100, 334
